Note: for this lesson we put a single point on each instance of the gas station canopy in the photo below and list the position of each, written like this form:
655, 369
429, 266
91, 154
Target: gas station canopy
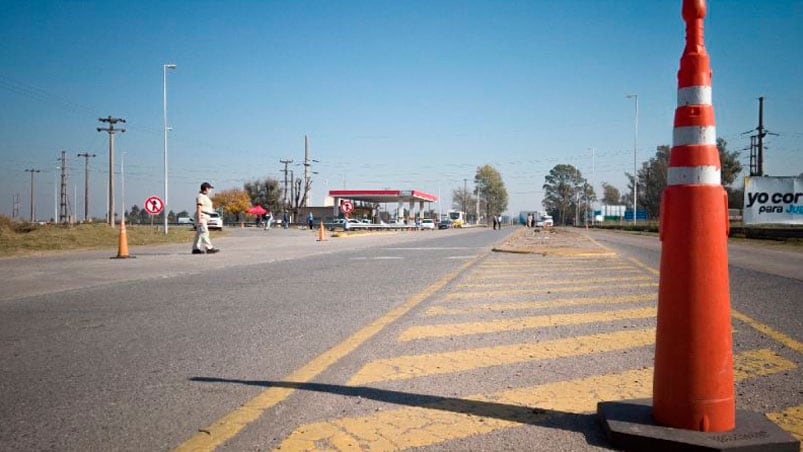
383, 196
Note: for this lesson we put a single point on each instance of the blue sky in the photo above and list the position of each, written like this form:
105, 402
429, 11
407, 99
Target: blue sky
393, 94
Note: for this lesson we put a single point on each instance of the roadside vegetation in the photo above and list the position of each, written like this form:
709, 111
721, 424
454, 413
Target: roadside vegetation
18, 238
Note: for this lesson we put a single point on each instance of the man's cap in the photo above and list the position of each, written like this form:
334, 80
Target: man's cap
206, 185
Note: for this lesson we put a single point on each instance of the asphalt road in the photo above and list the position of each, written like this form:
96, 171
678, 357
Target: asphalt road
409, 340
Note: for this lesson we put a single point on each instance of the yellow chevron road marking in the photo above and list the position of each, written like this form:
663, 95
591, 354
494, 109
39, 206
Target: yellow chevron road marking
490, 294
547, 268
524, 305
231, 424
791, 420
522, 323
451, 419
540, 280
776, 335
414, 366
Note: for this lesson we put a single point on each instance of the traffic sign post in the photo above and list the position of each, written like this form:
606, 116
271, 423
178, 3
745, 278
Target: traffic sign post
346, 207
154, 206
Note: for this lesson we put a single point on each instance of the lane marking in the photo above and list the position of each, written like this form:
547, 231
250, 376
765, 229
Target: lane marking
511, 292
231, 424
522, 323
524, 305
791, 420
776, 335
769, 331
415, 366
454, 418
541, 281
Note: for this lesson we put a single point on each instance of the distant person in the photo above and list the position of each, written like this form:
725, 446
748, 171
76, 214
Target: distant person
285, 220
203, 208
268, 219
310, 220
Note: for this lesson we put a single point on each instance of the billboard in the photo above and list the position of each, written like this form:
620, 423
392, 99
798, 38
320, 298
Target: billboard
773, 200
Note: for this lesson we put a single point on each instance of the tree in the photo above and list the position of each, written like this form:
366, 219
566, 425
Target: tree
265, 192
652, 181
729, 160
133, 214
652, 177
610, 196
462, 199
234, 202
562, 189
491, 190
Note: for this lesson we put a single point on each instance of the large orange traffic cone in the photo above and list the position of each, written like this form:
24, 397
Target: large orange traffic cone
693, 382
321, 233
122, 242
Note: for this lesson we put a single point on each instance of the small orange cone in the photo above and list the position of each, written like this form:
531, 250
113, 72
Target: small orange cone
122, 243
321, 233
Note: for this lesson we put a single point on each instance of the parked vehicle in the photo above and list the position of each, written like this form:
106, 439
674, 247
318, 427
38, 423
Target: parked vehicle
185, 220
445, 224
544, 221
428, 223
214, 221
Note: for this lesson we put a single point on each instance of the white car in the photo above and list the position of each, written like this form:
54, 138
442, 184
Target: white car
544, 222
214, 221
428, 223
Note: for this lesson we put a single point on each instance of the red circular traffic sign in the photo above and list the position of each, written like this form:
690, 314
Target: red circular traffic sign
154, 205
346, 206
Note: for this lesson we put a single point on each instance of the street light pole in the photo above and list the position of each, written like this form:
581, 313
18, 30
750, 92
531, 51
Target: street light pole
164, 86
33, 208
635, 152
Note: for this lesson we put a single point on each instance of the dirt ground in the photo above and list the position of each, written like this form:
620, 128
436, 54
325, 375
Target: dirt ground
551, 241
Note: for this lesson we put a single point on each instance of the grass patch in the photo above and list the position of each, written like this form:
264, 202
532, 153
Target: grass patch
21, 238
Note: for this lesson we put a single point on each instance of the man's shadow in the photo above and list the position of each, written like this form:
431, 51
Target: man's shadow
585, 424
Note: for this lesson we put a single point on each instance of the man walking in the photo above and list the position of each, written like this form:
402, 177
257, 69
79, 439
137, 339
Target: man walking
203, 207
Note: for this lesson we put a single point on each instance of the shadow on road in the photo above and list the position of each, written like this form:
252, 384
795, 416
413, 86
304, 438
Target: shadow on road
585, 424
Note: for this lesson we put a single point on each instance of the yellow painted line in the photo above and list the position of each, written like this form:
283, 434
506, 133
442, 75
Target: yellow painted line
230, 425
454, 418
551, 272
524, 305
639, 264
761, 327
491, 294
540, 261
540, 280
791, 420
414, 366
774, 334
522, 323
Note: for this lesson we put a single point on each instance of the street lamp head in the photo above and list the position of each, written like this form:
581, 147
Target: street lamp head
630, 96
170, 66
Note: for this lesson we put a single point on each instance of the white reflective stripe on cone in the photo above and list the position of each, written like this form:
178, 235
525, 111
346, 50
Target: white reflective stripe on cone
694, 95
694, 175
683, 136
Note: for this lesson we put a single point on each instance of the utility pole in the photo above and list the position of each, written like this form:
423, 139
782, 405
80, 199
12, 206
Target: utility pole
284, 195
111, 130
63, 218
465, 195
757, 143
33, 205
15, 212
307, 173
86, 156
